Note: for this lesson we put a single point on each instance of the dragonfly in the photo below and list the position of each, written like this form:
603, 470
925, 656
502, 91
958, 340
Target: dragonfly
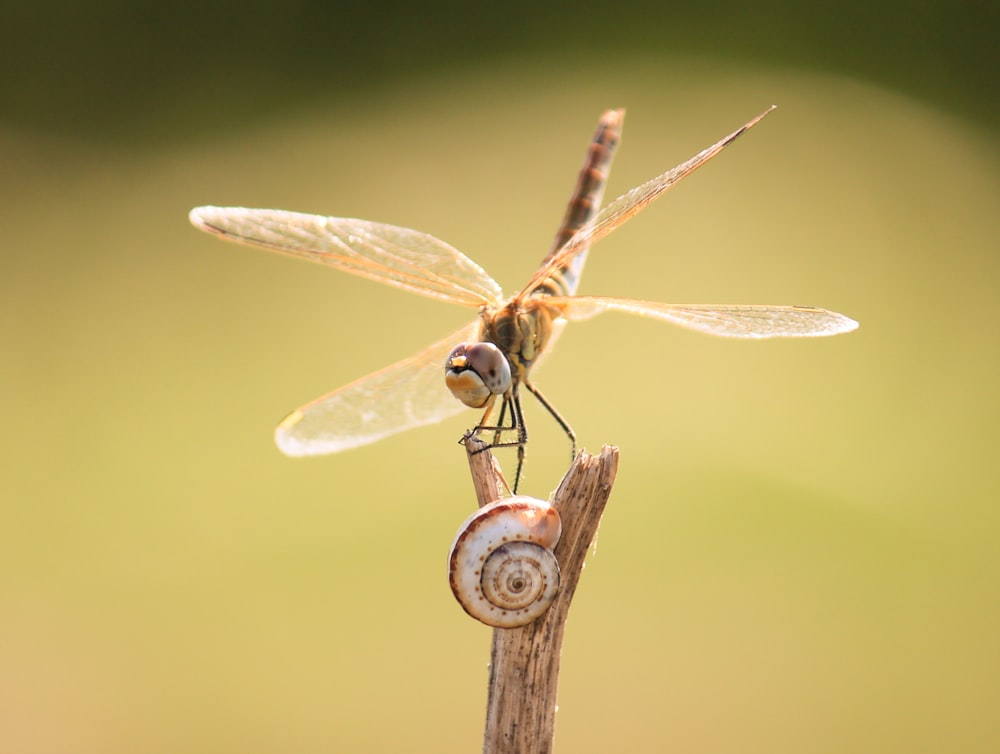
486, 362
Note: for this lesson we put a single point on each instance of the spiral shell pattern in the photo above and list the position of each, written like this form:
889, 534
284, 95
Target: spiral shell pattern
501, 566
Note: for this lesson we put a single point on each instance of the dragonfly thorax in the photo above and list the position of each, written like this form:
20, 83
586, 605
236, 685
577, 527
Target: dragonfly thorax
521, 329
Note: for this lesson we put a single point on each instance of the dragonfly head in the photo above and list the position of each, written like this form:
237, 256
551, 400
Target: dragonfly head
475, 372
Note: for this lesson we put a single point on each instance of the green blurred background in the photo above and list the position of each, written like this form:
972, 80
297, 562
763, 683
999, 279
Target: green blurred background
800, 554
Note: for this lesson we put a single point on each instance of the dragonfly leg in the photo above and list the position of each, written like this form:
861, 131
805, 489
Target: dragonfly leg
512, 401
516, 424
522, 435
499, 424
555, 415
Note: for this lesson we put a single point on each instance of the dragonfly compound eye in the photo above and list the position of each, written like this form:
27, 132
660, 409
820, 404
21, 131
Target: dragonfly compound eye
474, 372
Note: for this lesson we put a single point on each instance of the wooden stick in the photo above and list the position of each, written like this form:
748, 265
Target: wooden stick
487, 479
524, 663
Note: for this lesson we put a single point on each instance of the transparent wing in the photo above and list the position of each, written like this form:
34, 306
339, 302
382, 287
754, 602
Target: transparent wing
733, 321
405, 258
407, 394
626, 206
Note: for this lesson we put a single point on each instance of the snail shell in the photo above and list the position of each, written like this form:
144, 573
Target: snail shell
501, 566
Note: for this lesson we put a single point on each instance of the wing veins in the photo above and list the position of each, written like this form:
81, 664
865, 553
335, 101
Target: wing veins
727, 320
629, 204
407, 394
401, 257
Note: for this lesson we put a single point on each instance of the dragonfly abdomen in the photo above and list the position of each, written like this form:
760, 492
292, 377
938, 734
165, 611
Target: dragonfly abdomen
584, 204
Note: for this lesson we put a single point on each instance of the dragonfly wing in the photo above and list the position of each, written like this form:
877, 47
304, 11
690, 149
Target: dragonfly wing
405, 258
407, 394
628, 205
733, 321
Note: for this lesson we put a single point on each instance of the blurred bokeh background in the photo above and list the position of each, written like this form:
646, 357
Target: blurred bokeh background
800, 554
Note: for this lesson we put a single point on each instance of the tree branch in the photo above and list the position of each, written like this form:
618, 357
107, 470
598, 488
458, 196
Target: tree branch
524, 663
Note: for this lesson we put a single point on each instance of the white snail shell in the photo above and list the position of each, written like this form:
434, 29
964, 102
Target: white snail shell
501, 566
475, 372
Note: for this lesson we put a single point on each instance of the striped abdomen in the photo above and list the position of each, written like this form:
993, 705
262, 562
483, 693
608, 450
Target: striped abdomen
583, 205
